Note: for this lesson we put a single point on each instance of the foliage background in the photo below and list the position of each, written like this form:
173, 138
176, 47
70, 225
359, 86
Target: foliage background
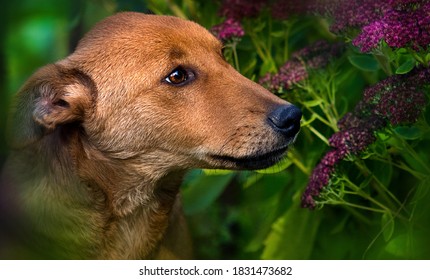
244, 215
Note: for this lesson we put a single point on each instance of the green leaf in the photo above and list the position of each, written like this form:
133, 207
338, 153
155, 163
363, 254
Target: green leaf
383, 136
278, 34
216, 171
384, 172
309, 121
402, 51
259, 26
364, 62
293, 234
406, 67
245, 44
203, 190
270, 196
387, 226
414, 244
268, 66
247, 68
313, 103
280, 166
251, 180
408, 132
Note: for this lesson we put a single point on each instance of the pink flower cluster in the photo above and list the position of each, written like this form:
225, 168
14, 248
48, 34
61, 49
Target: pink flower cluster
238, 9
400, 23
284, 9
315, 56
228, 29
399, 101
280, 9
349, 141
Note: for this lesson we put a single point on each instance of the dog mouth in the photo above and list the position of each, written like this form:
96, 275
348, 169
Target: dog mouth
253, 161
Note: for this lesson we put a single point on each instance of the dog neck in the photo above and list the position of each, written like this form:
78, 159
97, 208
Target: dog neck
113, 208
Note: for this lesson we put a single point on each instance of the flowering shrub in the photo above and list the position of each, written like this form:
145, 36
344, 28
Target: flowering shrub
360, 72
315, 56
393, 101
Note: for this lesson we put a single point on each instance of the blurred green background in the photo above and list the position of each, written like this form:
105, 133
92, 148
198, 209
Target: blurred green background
35, 33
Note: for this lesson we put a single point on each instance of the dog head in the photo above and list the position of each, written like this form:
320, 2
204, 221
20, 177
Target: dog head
157, 88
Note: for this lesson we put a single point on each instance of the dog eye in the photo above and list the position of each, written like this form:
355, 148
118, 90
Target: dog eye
179, 76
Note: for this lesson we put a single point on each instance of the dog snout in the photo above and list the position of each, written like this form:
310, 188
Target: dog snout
285, 119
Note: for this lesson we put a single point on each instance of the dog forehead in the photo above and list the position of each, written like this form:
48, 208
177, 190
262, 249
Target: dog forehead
136, 30
178, 37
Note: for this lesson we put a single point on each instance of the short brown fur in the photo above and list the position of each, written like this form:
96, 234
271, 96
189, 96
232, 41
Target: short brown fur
101, 140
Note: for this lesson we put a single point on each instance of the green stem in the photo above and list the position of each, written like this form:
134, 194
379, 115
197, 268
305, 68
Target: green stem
235, 56
256, 44
286, 40
418, 58
317, 116
325, 107
269, 39
351, 207
263, 51
358, 215
263, 46
292, 156
362, 207
379, 186
364, 195
331, 94
319, 135
384, 63
176, 10
402, 166
413, 153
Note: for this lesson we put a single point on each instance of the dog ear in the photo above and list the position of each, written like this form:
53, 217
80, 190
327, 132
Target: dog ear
53, 96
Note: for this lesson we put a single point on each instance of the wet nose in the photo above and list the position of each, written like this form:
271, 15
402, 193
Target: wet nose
286, 120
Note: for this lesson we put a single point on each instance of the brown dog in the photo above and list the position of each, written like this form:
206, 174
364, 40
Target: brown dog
102, 138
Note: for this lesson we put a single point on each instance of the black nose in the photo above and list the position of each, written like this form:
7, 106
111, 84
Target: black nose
286, 120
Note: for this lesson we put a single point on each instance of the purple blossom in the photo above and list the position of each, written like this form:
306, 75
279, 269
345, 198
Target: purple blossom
321, 51
356, 118
399, 23
354, 14
352, 141
404, 3
289, 74
283, 9
370, 36
320, 178
227, 30
402, 106
402, 28
313, 57
238, 9
396, 100
349, 120
399, 99
361, 116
